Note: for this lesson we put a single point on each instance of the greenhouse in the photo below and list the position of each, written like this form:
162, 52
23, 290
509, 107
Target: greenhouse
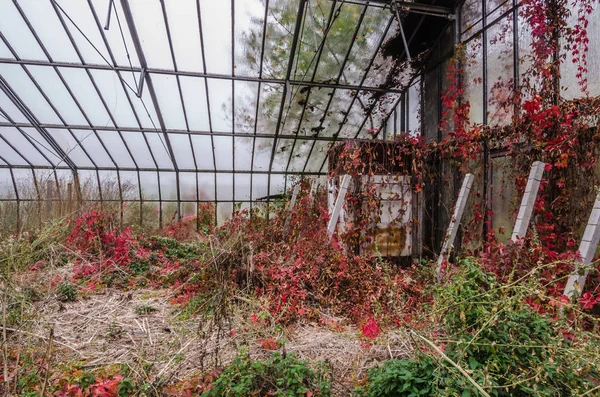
300, 197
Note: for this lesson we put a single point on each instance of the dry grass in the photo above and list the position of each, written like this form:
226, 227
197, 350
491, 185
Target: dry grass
117, 327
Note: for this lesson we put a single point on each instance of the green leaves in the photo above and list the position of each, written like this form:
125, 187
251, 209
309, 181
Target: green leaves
279, 375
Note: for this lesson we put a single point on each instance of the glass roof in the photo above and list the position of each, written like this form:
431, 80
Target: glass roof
197, 99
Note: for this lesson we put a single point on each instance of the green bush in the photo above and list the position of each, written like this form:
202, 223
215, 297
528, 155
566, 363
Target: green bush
506, 347
402, 378
279, 375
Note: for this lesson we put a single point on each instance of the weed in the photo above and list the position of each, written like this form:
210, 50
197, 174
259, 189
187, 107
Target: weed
66, 292
114, 330
279, 375
142, 310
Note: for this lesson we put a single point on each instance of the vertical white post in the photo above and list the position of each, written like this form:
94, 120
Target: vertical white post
587, 249
292, 204
459, 209
338, 204
528, 201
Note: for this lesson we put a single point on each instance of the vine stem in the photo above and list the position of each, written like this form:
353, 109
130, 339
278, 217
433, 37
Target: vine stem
455, 365
48, 358
589, 392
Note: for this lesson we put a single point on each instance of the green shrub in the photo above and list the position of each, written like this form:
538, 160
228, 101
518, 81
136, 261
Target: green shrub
279, 375
403, 377
506, 347
66, 292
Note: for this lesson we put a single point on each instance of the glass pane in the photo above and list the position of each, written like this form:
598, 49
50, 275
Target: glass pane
29, 94
216, 29
182, 146
94, 148
249, 32
83, 89
242, 186
277, 184
25, 184
183, 25
262, 153
206, 186
71, 147
139, 149
470, 14
570, 83
270, 102
56, 91
338, 42
150, 25
42, 144
11, 110
335, 116
382, 64
300, 155
243, 153
224, 152
115, 98
5, 52
119, 152
203, 148
9, 155
220, 104
109, 184
280, 27
282, 154
194, 97
130, 185
169, 101
7, 189
88, 180
366, 44
80, 12
18, 34
500, 71
168, 186
259, 186
159, 149
317, 157
414, 108
149, 185
245, 106
23, 145
224, 212
187, 182
144, 109
224, 186
113, 35
44, 19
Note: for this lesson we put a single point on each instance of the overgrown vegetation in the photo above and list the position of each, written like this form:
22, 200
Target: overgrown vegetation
493, 342
279, 375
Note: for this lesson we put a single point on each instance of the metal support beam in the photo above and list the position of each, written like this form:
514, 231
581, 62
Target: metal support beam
35, 123
587, 250
144, 169
288, 74
459, 209
151, 71
413, 7
142, 58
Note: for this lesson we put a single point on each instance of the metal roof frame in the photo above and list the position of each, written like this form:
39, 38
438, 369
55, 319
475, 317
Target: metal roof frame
126, 21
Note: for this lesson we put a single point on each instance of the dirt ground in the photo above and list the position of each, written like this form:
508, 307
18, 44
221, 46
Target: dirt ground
143, 330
